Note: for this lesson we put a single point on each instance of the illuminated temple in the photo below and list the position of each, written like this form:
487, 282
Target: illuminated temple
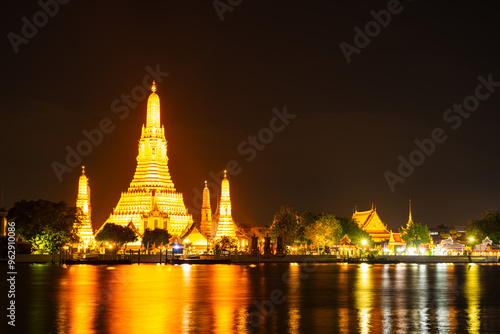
85, 230
370, 222
151, 200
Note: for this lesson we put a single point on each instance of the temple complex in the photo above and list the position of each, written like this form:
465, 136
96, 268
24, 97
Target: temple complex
151, 200
85, 230
370, 222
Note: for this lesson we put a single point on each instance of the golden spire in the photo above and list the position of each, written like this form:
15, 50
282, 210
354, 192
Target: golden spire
85, 231
225, 192
410, 220
153, 111
206, 213
226, 225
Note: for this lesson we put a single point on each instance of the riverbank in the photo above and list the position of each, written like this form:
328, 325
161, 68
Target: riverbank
388, 258
244, 259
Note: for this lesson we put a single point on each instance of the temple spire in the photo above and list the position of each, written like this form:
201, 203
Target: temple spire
410, 220
153, 111
226, 225
206, 213
85, 229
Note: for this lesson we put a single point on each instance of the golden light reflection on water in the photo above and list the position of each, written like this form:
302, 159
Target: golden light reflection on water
152, 299
364, 297
227, 296
76, 315
217, 299
294, 315
472, 291
344, 311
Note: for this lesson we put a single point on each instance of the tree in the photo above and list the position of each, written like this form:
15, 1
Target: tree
354, 232
154, 238
285, 224
325, 231
488, 226
116, 234
452, 233
46, 225
226, 243
415, 234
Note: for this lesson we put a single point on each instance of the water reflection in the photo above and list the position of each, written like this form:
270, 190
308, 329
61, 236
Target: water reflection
220, 298
472, 291
294, 300
76, 315
364, 297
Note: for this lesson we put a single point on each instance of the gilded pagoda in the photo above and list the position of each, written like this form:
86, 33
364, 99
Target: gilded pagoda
225, 223
151, 200
85, 231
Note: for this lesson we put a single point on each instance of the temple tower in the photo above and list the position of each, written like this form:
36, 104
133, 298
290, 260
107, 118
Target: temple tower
206, 213
151, 199
410, 220
226, 225
85, 230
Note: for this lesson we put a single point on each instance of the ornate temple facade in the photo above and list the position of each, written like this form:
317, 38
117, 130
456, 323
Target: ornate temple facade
85, 230
370, 222
151, 200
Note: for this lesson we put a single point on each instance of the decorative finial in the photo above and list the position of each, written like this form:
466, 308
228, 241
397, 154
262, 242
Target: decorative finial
225, 173
83, 169
409, 218
206, 185
153, 87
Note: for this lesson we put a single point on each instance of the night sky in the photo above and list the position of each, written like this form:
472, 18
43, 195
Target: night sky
347, 122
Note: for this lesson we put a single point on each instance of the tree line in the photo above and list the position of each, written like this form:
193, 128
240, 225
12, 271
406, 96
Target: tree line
48, 226
311, 230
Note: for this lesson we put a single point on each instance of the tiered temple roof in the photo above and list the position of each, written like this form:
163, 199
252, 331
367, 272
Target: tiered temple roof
370, 222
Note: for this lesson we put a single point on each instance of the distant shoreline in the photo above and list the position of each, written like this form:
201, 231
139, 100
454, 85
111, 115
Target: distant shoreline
249, 259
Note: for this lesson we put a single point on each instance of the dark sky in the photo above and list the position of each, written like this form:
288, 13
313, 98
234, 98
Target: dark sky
225, 78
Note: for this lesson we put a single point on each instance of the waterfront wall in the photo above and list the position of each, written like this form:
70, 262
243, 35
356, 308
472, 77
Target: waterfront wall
283, 259
441, 259
44, 258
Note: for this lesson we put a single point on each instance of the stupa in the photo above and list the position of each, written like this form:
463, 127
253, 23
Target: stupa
151, 200
85, 230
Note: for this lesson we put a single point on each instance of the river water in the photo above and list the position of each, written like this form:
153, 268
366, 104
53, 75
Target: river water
265, 298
